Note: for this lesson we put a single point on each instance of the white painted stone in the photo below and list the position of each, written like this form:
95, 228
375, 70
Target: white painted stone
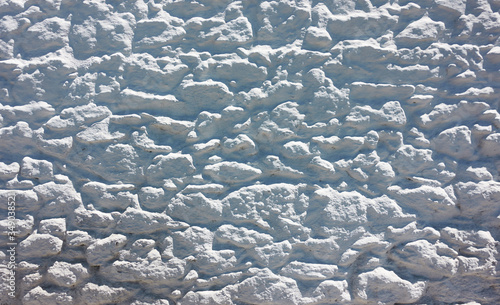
67, 275
309, 272
384, 286
232, 172
93, 294
36, 169
53, 226
106, 249
40, 245
39, 296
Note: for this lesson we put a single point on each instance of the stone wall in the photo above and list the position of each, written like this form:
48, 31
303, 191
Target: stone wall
249, 152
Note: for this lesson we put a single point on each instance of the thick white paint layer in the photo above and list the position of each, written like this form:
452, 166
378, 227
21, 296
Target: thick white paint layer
250, 152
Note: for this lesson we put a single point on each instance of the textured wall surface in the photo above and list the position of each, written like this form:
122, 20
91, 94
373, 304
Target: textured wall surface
249, 152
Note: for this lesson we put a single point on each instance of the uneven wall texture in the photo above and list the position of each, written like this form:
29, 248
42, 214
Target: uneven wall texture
249, 152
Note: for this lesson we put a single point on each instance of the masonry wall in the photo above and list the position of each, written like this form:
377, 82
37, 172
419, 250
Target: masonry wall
249, 152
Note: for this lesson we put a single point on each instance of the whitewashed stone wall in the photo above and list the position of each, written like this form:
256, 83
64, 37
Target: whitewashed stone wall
250, 152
